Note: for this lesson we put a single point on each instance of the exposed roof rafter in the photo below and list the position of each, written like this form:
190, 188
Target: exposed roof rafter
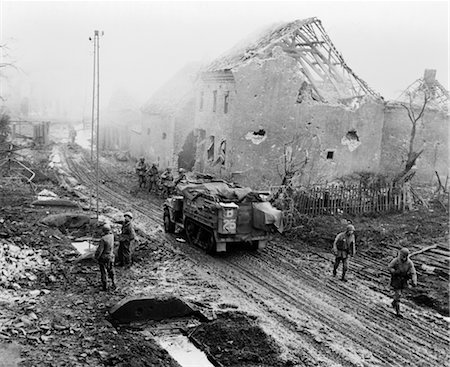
307, 42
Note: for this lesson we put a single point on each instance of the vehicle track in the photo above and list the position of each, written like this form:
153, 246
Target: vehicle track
271, 278
378, 322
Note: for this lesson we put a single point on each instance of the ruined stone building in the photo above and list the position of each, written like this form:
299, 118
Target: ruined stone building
285, 104
167, 120
431, 135
120, 127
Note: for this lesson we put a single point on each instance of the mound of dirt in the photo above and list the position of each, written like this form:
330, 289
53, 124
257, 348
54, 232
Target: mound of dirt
235, 339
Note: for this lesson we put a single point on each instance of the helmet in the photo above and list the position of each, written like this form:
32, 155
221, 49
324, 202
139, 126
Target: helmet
181, 170
351, 227
128, 214
106, 227
142, 159
404, 251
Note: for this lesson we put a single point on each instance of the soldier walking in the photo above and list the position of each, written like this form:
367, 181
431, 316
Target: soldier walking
126, 237
343, 247
402, 270
105, 257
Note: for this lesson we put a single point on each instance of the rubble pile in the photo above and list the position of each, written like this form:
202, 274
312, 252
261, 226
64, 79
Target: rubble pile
18, 264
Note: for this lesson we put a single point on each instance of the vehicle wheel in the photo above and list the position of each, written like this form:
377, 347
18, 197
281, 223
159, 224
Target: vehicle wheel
189, 229
254, 245
210, 244
169, 226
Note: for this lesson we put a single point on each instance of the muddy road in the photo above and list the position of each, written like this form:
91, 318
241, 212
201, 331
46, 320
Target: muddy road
316, 319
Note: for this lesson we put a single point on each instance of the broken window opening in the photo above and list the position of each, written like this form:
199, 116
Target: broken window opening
222, 152
164, 136
225, 102
214, 101
352, 135
210, 149
202, 94
330, 154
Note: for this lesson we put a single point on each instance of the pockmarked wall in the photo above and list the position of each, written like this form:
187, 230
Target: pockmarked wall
431, 136
269, 127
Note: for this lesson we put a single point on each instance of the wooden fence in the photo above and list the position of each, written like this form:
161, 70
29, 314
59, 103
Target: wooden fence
354, 199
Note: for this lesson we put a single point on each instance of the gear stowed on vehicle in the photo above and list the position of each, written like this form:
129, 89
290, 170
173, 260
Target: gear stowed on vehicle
214, 214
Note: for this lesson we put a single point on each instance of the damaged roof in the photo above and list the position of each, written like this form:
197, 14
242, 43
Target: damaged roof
427, 85
306, 41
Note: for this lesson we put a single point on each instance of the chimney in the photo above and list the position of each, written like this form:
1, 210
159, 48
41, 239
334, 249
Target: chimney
429, 76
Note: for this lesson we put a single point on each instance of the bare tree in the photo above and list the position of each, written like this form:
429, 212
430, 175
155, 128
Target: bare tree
423, 96
299, 158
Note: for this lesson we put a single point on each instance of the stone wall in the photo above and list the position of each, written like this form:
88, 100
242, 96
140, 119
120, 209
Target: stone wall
431, 136
265, 127
158, 138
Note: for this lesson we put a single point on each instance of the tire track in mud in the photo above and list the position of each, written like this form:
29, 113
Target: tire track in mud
345, 291
246, 273
87, 177
124, 199
378, 321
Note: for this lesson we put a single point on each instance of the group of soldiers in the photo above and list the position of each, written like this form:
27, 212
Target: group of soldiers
105, 250
151, 178
401, 268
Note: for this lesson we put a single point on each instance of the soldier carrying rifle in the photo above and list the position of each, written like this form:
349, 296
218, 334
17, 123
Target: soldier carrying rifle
402, 270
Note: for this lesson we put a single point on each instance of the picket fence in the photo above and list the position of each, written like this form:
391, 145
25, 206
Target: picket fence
353, 199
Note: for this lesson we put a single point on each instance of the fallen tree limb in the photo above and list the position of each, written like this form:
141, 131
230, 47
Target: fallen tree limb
423, 250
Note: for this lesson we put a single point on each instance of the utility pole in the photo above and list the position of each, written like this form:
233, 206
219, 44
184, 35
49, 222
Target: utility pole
96, 109
93, 94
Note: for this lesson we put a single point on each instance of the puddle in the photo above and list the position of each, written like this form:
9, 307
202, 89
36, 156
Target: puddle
183, 351
84, 247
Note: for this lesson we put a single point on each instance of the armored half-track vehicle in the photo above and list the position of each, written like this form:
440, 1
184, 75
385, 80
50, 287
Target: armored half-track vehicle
216, 214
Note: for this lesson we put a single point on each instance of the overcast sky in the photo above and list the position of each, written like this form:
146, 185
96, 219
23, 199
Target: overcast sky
387, 44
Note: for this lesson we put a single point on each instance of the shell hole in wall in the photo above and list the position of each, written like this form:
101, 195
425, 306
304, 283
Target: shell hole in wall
352, 135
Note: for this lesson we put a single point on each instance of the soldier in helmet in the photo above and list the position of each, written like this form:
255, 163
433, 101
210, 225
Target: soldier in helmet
402, 270
343, 247
167, 181
152, 178
105, 257
126, 237
141, 170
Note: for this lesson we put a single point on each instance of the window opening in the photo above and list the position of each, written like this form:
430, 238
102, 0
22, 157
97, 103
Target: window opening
210, 149
222, 153
330, 154
225, 102
214, 100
